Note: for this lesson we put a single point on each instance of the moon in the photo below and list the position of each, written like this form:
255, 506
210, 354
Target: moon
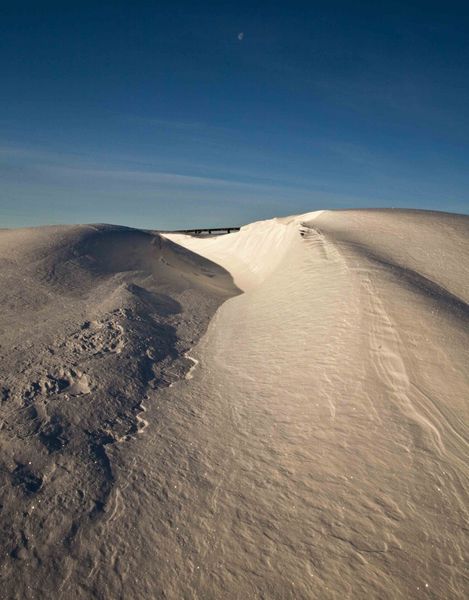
241, 36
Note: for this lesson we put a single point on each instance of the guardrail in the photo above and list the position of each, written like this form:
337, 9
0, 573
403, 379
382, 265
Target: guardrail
206, 230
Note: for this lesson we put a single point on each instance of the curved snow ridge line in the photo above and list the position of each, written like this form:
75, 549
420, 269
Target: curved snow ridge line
142, 423
420, 282
424, 284
251, 254
385, 343
190, 373
386, 346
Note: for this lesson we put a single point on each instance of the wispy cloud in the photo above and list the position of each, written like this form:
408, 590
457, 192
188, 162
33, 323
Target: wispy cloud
169, 124
151, 177
180, 126
49, 165
27, 170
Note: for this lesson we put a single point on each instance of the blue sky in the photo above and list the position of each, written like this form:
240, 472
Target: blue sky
157, 114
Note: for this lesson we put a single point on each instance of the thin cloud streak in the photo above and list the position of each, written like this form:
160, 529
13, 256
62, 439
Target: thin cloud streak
46, 164
153, 177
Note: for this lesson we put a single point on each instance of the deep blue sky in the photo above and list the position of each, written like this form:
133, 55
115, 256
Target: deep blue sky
156, 114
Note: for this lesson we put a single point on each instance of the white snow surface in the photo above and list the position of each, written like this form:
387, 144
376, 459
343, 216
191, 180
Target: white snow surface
313, 443
252, 253
337, 387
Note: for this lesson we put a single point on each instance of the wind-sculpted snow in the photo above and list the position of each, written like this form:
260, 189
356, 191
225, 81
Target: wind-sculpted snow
93, 318
340, 383
312, 444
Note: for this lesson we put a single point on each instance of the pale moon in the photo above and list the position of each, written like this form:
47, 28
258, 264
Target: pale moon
241, 36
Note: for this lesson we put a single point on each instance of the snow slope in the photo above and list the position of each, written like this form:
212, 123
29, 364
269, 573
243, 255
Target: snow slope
92, 317
340, 385
313, 443
251, 254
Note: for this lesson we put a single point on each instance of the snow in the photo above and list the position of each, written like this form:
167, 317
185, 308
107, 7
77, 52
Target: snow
306, 427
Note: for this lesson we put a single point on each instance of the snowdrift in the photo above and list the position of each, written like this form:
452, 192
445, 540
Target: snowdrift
280, 412
345, 382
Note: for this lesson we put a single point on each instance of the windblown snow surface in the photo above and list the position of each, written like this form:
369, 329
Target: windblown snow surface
301, 388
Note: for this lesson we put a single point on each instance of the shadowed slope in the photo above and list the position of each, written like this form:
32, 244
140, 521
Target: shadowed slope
92, 318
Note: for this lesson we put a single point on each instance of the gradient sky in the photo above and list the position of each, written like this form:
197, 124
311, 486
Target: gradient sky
160, 114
